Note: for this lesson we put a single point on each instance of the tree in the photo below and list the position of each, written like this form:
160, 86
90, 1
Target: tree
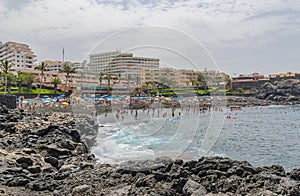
5, 66
67, 69
119, 77
10, 79
20, 80
201, 79
193, 82
240, 90
228, 81
41, 67
108, 77
55, 82
101, 77
187, 83
29, 79
197, 84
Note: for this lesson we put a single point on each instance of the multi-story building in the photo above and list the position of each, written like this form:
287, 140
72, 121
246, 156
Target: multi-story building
99, 61
124, 63
17, 54
164, 75
54, 65
183, 76
214, 77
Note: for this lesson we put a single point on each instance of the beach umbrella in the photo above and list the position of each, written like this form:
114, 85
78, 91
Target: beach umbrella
86, 99
167, 99
65, 103
45, 96
78, 98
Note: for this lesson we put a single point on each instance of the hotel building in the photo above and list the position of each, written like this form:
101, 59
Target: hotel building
17, 54
124, 63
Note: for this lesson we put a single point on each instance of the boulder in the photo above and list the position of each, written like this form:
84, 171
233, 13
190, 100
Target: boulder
80, 190
193, 188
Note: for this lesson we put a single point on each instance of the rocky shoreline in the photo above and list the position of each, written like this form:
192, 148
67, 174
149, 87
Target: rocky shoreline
48, 154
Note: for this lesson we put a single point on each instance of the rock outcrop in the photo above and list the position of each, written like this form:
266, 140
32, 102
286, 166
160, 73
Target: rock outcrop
281, 92
45, 154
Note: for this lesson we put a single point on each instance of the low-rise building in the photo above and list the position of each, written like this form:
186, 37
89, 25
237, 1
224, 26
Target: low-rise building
246, 82
283, 76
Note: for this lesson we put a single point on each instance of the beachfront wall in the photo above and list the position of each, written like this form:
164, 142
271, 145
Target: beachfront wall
9, 101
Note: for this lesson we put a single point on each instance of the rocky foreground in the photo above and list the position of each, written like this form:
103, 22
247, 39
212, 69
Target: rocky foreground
48, 154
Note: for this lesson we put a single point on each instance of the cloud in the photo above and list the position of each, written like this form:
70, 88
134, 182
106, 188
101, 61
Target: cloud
230, 23
212, 21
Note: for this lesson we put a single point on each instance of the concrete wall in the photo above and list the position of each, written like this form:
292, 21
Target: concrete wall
248, 85
10, 101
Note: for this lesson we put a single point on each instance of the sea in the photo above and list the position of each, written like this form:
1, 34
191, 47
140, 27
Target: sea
263, 135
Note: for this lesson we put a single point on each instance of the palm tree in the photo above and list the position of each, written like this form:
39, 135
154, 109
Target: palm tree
108, 77
67, 69
20, 79
29, 79
42, 68
228, 81
101, 77
119, 77
187, 83
201, 79
197, 84
192, 81
55, 82
10, 81
5, 66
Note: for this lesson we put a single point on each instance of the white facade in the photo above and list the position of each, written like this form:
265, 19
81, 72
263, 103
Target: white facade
120, 63
99, 61
17, 54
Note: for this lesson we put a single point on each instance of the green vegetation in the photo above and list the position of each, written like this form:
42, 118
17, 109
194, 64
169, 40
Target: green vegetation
24, 90
239, 91
22, 83
4, 67
41, 67
67, 69
55, 82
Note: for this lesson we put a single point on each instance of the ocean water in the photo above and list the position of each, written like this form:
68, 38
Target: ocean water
260, 135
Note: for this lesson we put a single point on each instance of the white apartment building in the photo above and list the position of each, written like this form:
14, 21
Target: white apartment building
53, 65
99, 61
17, 54
116, 62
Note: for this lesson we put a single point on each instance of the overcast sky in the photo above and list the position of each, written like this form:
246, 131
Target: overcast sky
242, 36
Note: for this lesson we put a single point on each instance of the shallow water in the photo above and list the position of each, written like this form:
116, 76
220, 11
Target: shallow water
261, 135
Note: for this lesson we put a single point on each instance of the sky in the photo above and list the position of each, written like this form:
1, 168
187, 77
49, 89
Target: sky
241, 36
